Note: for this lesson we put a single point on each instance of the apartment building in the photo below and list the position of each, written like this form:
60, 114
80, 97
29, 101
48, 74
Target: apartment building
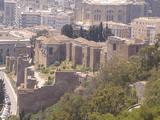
145, 28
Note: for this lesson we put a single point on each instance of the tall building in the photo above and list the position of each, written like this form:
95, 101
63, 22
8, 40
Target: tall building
96, 11
9, 12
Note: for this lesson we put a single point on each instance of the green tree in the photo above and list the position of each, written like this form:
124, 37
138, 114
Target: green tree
100, 33
81, 32
152, 94
70, 106
117, 71
93, 33
98, 116
67, 30
110, 99
107, 32
150, 56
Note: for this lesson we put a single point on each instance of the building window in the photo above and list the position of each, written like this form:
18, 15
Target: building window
120, 15
114, 47
50, 51
7, 52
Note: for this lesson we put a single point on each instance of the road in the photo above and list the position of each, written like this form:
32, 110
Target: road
10, 92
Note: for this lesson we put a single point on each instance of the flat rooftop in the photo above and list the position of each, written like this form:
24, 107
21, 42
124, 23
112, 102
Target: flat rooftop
155, 19
109, 2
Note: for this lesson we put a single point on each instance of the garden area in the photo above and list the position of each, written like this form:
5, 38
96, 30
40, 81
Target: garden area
47, 73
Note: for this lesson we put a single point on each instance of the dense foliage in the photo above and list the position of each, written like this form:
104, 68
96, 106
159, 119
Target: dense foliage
97, 33
67, 30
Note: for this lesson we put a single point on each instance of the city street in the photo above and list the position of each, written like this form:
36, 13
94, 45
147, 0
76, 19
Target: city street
10, 92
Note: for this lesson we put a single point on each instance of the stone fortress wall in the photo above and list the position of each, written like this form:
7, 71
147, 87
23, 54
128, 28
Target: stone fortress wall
80, 51
38, 99
32, 98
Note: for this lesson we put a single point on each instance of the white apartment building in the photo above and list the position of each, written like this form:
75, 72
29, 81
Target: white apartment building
145, 28
120, 29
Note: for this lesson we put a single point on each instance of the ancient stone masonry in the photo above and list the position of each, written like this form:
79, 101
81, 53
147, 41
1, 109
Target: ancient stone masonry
52, 49
86, 56
49, 51
22, 50
76, 55
63, 51
7, 63
34, 100
17, 66
95, 54
29, 81
80, 51
69, 51
10, 63
103, 57
21, 65
30, 97
123, 48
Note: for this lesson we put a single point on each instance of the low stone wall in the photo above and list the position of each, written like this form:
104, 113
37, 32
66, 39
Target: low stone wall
35, 100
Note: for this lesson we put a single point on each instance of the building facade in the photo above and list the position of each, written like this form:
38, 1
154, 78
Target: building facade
122, 48
30, 19
1, 5
1, 11
10, 12
96, 11
13, 44
145, 28
120, 29
58, 48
